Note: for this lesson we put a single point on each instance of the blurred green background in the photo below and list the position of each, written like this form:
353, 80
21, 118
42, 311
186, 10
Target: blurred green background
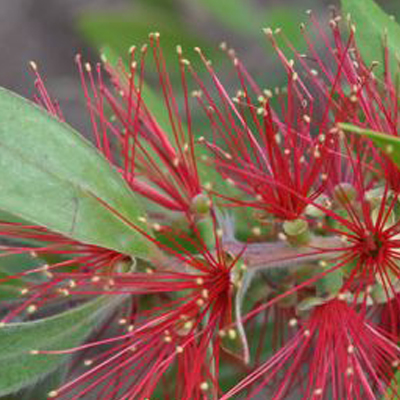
51, 32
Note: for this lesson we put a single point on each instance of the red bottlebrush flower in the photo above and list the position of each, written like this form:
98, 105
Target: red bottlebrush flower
378, 110
368, 100
282, 158
180, 331
366, 223
336, 354
56, 260
157, 161
276, 160
195, 313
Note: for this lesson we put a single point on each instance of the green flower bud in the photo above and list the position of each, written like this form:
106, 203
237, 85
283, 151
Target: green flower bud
315, 212
309, 303
201, 204
297, 232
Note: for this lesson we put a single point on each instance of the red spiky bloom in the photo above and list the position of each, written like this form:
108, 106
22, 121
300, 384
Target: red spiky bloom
336, 354
373, 243
375, 105
172, 320
278, 162
190, 296
157, 160
180, 337
368, 260
281, 158
55, 261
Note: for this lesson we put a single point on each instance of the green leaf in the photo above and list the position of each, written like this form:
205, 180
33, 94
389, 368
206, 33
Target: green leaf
52, 176
372, 25
16, 263
389, 144
19, 368
12, 265
8, 291
41, 389
45, 386
7, 217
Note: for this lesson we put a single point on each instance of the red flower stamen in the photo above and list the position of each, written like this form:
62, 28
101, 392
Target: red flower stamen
336, 353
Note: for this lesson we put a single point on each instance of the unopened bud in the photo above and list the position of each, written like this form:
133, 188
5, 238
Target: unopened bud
314, 211
297, 231
201, 204
309, 303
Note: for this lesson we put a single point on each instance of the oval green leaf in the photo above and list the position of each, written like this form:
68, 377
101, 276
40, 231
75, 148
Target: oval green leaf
373, 28
389, 144
19, 368
52, 176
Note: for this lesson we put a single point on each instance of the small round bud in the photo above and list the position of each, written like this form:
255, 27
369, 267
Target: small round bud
201, 204
309, 303
297, 231
314, 211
